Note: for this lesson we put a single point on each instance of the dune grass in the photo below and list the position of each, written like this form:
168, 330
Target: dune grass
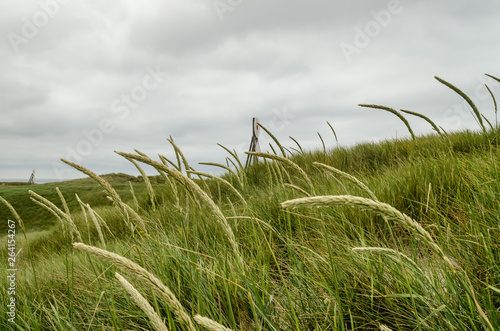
398, 235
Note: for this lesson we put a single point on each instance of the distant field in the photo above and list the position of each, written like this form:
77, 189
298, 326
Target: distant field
37, 218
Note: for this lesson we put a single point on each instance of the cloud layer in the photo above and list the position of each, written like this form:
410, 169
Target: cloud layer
81, 79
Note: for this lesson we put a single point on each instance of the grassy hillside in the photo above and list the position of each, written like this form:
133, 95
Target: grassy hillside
398, 235
36, 218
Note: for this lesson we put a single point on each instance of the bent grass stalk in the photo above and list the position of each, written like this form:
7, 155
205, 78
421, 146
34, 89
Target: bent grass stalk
96, 224
296, 142
466, 98
395, 112
147, 182
165, 161
493, 77
495, 104
68, 215
334, 134
58, 212
156, 285
286, 161
273, 138
178, 152
225, 182
434, 126
209, 324
156, 321
377, 207
213, 164
322, 143
197, 191
234, 155
21, 224
111, 191
296, 188
347, 176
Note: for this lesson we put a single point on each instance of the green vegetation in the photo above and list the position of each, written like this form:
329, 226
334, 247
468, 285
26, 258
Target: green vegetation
397, 235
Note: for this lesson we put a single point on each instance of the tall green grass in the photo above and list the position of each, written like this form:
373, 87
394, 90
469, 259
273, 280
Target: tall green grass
398, 235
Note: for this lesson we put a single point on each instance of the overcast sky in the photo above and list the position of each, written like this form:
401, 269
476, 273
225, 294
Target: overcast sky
82, 78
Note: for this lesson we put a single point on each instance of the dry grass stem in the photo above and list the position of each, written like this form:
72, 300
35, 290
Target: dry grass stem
273, 138
395, 112
377, 207
14, 212
234, 155
147, 182
72, 224
225, 182
96, 224
178, 152
466, 98
58, 212
162, 290
384, 328
434, 126
156, 321
111, 191
286, 161
349, 177
197, 191
296, 188
209, 324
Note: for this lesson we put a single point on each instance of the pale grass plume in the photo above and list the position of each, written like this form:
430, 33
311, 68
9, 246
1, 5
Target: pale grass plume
196, 191
173, 185
62, 216
179, 152
223, 181
213, 164
234, 155
384, 327
142, 274
209, 324
296, 188
72, 224
167, 161
287, 162
14, 212
134, 198
139, 300
84, 211
112, 193
380, 208
147, 182
96, 224
349, 177
57, 216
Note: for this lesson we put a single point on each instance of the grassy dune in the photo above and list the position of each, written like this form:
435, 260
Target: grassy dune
398, 235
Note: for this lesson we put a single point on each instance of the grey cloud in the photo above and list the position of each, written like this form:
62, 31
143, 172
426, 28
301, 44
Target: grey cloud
263, 58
